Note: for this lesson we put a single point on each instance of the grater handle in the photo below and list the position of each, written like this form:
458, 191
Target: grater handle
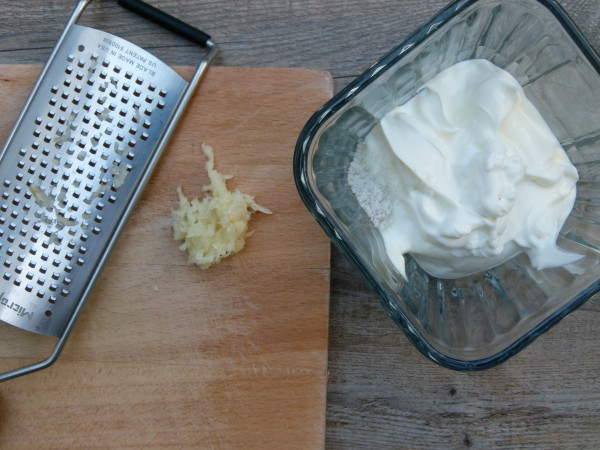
166, 20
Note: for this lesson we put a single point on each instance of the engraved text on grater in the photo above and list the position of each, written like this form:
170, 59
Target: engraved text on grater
127, 55
21, 311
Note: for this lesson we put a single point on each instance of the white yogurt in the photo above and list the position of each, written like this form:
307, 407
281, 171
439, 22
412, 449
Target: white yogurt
470, 173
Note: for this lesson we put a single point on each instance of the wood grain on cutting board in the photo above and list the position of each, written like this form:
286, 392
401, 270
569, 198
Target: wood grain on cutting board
166, 354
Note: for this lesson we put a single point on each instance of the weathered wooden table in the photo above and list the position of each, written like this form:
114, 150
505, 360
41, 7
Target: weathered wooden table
382, 393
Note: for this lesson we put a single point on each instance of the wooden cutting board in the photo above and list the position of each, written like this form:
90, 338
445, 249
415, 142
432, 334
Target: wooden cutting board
168, 355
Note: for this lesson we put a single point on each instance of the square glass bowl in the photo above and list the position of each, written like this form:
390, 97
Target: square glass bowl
479, 321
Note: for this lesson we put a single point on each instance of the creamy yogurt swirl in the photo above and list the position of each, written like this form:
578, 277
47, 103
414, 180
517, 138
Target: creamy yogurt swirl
471, 173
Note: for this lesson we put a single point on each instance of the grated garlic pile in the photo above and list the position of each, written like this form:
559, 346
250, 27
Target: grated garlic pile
216, 226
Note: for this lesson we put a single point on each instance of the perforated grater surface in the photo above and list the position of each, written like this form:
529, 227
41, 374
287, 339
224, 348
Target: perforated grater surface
74, 165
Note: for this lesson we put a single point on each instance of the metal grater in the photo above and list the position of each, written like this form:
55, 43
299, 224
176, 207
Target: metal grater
75, 164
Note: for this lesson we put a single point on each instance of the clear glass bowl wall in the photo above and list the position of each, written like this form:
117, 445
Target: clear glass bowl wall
478, 321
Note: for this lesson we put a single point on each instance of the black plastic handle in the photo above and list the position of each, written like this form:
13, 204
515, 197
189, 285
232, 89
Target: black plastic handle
169, 22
